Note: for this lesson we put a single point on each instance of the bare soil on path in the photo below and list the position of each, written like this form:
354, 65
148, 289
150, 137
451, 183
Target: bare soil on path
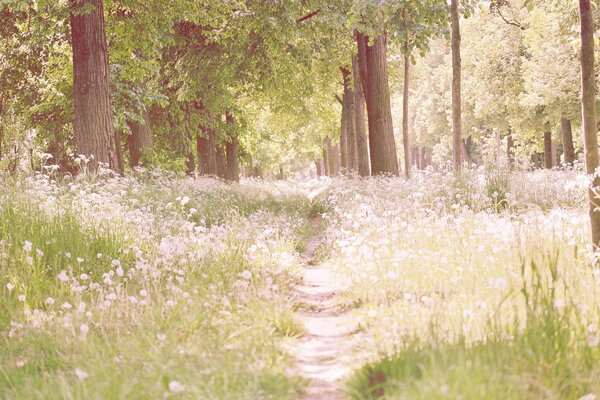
323, 355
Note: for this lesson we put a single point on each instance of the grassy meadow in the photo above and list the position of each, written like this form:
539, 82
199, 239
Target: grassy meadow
154, 286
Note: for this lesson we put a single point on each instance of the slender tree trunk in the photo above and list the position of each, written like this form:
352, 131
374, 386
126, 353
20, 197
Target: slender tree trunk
231, 148
362, 144
330, 157
344, 133
119, 149
588, 108
548, 150
509, 148
567, 140
1, 124
207, 162
140, 142
456, 90
350, 121
326, 169
373, 70
94, 129
212, 150
405, 140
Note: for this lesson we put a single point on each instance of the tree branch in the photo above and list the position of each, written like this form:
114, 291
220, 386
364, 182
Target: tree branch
307, 16
338, 99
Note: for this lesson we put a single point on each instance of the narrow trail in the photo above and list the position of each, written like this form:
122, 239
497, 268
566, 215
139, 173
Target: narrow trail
324, 354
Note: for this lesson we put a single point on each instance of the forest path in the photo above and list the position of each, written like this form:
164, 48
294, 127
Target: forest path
323, 355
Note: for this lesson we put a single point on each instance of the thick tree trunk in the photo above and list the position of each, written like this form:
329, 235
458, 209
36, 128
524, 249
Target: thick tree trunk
405, 140
373, 71
140, 142
318, 168
588, 108
231, 148
456, 90
207, 162
548, 150
336, 155
202, 151
362, 144
221, 162
94, 130
567, 140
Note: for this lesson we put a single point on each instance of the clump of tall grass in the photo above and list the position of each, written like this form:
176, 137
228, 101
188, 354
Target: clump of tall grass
548, 352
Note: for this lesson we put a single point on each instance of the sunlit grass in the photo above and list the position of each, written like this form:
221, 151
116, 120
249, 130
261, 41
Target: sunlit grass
131, 298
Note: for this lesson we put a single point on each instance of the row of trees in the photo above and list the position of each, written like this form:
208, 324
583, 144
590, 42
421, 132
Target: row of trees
173, 80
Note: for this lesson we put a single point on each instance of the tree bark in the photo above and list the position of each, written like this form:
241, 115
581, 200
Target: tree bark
140, 142
330, 157
374, 76
567, 140
221, 162
344, 124
588, 108
362, 145
231, 148
1, 125
405, 139
326, 169
318, 166
202, 152
94, 129
207, 163
349, 100
548, 150
337, 159
456, 90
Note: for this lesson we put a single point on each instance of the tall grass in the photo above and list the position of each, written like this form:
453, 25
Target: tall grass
126, 296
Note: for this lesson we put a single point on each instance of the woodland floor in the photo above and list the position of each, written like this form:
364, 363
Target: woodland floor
155, 286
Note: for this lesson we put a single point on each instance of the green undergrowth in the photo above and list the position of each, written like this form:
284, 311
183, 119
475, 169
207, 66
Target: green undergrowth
208, 327
546, 354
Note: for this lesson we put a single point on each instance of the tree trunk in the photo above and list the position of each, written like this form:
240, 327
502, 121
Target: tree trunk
548, 150
588, 108
140, 142
374, 76
405, 140
362, 145
344, 124
207, 162
1, 124
456, 95
318, 166
202, 151
330, 157
231, 148
221, 162
326, 169
337, 159
567, 140
349, 100
94, 129
509, 148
